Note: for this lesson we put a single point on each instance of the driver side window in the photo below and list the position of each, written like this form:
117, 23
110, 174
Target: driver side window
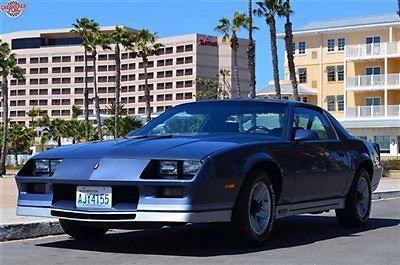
307, 119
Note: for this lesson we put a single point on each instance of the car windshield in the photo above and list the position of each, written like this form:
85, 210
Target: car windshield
220, 117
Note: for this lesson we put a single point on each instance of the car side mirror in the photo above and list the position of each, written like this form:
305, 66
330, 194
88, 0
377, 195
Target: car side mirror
304, 135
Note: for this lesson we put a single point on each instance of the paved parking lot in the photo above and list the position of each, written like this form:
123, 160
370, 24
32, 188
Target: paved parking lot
305, 239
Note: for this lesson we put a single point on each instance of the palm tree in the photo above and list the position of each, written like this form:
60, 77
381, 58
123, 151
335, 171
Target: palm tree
32, 114
286, 11
209, 89
127, 124
224, 73
8, 68
145, 44
19, 139
112, 107
74, 129
83, 27
95, 39
56, 130
251, 53
76, 111
398, 4
229, 30
121, 37
268, 9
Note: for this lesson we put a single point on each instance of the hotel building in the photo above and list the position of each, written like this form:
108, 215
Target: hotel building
351, 67
54, 73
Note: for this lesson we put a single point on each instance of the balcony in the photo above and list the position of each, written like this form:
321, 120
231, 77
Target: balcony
373, 82
377, 111
373, 50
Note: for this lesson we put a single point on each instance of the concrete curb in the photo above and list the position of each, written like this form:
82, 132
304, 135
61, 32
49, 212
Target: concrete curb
47, 228
385, 195
29, 230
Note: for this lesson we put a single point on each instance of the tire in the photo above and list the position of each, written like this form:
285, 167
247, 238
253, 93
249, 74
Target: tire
243, 229
358, 202
81, 231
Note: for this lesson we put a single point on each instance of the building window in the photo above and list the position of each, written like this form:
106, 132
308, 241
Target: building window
331, 45
44, 59
79, 58
180, 60
303, 75
331, 73
56, 59
305, 99
363, 137
330, 100
169, 50
376, 101
302, 47
34, 60
189, 48
340, 72
188, 95
180, 49
102, 57
294, 48
340, 102
66, 59
384, 143
21, 60
189, 59
341, 44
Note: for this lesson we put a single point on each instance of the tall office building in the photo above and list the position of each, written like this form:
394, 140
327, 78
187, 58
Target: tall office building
54, 73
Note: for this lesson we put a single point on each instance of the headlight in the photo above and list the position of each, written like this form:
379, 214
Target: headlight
45, 166
178, 169
191, 167
169, 169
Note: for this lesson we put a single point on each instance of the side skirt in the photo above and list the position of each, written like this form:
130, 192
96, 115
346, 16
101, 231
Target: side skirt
308, 207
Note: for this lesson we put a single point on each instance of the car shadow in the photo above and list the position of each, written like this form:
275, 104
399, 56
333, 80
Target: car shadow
209, 240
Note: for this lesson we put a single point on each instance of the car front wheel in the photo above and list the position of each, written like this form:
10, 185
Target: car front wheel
254, 213
358, 202
81, 231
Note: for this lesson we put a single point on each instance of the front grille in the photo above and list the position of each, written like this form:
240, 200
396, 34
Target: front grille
90, 216
120, 194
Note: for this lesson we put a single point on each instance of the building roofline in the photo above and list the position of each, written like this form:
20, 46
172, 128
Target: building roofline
339, 29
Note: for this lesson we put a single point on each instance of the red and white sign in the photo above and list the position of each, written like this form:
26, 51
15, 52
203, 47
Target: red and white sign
207, 42
13, 8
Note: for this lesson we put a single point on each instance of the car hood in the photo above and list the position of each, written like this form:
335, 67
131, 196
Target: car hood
194, 148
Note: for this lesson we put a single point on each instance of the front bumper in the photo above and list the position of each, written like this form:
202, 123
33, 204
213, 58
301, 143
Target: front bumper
204, 197
132, 216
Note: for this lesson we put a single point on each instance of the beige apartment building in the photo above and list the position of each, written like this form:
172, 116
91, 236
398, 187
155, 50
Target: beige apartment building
351, 67
54, 73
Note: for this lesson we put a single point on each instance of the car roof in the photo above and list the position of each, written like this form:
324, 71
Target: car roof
258, 100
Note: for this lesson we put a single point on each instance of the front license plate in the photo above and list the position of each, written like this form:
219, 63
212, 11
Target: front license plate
93, 197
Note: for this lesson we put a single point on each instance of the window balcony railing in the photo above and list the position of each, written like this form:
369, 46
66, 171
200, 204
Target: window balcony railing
373, 50
369, 82
373, 111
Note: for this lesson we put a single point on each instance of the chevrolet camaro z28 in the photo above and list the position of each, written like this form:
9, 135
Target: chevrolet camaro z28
243, 163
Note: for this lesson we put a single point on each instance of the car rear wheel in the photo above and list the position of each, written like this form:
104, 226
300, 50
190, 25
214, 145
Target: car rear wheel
80, 230
358, 202
254, 213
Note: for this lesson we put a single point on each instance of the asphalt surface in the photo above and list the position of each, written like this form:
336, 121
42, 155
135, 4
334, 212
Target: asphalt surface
305, 239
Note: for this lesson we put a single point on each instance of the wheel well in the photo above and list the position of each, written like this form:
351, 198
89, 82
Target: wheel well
274, 173
367, 165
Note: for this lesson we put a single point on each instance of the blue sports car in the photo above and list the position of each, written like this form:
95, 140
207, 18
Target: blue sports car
243, 163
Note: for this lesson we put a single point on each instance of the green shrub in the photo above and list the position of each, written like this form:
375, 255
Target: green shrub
391, 164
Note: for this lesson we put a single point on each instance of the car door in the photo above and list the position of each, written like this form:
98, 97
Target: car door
322, 165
